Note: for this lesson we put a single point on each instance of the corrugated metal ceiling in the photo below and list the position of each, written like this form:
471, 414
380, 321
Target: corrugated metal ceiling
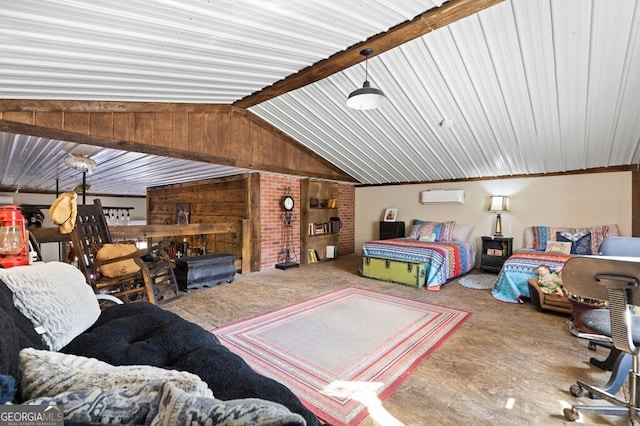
530, 86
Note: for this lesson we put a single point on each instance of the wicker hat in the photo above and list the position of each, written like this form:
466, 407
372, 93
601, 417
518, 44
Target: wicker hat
63, 212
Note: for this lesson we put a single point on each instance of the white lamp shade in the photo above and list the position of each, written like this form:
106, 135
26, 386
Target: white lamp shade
499, 203
366, 97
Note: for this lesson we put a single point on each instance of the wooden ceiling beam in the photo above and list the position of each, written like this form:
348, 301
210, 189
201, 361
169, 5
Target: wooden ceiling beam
431, 20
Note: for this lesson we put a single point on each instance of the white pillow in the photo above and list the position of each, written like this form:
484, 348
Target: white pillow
429, 238
46, 373
55, 297
462, 232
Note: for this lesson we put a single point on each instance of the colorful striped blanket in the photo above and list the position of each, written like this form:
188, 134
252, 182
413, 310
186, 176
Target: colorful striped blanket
513, 279
444, 260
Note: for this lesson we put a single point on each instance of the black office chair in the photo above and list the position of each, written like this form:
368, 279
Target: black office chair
616, 280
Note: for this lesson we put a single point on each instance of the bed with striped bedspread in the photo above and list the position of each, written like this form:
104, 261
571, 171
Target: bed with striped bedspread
443, 260
512, 284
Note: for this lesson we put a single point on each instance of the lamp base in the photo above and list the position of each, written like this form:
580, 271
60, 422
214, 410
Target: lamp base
498, 230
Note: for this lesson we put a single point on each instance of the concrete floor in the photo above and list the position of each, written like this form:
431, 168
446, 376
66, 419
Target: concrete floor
508, 364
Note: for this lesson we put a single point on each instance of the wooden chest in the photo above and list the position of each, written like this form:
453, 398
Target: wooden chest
205, 271
396, 271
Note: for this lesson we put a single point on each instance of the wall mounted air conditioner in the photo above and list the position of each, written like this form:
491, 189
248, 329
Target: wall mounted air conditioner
439, 196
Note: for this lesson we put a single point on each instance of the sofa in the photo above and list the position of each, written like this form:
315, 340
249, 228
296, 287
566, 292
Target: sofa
131, 364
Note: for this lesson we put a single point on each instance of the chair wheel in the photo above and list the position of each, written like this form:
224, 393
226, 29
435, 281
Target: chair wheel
571, 414
576, 391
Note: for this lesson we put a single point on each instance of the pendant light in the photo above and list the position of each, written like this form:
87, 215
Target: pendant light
366, 97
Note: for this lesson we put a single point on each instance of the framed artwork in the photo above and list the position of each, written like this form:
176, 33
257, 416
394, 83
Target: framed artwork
183, 210
390, 215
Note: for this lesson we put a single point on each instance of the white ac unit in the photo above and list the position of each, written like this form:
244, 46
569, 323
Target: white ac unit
440, 196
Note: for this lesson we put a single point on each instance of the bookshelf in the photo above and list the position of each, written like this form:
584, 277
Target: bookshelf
319, 221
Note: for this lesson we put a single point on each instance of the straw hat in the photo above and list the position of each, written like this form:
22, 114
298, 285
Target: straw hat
63, 212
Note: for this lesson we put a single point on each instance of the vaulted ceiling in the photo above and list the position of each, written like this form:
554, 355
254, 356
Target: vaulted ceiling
519, 87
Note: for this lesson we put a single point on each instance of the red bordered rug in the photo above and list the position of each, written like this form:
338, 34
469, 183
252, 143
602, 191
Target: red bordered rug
342, 352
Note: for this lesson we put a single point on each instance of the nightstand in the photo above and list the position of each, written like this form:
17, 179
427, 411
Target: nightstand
391, 230
495, 250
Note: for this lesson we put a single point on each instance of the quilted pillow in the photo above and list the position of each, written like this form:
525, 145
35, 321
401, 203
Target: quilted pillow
55, 297
113, 251
46, 373
580, 241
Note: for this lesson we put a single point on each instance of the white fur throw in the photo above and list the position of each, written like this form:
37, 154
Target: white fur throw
55, 297
46, 373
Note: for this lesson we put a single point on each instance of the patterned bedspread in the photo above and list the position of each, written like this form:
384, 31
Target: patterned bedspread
513, 280
444, 260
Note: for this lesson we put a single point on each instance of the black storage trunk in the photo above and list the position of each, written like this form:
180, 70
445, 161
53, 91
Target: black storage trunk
205, 271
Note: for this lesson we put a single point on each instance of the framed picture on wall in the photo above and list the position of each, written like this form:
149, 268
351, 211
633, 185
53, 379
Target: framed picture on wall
183, 210
390, 215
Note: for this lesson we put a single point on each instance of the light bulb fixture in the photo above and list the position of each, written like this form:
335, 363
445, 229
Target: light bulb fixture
366, 97
82, 164
499, 204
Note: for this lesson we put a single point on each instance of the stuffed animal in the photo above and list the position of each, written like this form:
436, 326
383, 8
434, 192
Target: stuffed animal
550, 282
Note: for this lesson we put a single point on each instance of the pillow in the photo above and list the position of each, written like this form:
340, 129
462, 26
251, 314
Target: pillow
598, 234
528, 237
447, 233
433, 228
462, 232
113, 251
580, 242
612, 230
558, 247
46, 373
55, 297
540, 237
414, 232
442, 234
161, 403
430, 238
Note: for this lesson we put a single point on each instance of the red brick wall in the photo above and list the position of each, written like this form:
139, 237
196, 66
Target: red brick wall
272, 188
271, 191
347, 209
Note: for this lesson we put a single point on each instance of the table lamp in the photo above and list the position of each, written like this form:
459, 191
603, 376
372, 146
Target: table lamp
499, 204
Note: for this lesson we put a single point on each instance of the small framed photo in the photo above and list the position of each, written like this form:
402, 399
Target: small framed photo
390, 215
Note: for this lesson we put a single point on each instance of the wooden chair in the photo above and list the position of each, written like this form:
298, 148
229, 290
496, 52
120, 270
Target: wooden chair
153, 280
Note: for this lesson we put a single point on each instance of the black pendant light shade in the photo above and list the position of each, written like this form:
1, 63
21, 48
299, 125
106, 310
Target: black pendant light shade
366, 97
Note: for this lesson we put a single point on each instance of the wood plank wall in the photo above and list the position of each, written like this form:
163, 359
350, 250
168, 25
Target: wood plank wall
221, 200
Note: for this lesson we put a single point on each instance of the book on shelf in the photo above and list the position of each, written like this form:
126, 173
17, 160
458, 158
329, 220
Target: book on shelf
332, 203
312, 256
331, 227
331, 252
334, 224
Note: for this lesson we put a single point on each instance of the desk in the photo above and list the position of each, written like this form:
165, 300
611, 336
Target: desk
205, 271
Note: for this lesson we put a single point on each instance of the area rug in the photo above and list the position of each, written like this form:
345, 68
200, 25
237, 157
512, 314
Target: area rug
340, 351
478, 281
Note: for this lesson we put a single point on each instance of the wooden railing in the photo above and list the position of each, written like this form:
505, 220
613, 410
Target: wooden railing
233, 238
